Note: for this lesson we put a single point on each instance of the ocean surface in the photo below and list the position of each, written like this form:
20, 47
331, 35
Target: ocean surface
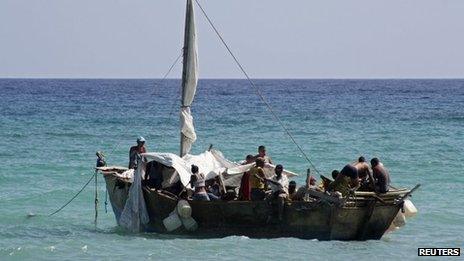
51, 129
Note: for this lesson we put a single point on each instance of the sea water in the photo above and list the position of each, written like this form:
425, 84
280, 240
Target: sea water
51, 129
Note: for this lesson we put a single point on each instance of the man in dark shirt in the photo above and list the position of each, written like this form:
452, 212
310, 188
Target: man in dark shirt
134, 151
381, 176
100, 159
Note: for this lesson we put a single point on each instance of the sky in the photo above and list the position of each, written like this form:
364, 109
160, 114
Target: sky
271, 38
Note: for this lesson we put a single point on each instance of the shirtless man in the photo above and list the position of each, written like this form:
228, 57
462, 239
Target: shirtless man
381, 176
262, 154
346, 181
364, 173
134, 151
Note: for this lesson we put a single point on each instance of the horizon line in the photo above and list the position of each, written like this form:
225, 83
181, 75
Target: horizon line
218, 78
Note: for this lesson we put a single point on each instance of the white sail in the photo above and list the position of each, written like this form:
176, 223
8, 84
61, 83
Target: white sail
189, 81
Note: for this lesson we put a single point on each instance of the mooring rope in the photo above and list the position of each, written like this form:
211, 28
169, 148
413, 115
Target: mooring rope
258, 91
77, 194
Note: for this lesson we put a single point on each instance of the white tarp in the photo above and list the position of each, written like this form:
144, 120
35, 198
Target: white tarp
189, 79
211, 163
135, 214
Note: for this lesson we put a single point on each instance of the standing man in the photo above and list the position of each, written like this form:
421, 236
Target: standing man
257, 181
135, 150
381, 176
244, 191
262, 154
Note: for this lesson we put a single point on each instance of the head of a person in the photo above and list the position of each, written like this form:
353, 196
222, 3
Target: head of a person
140, 141
279, 169
194, 169
249, 159
335, 174
100, 155
375, 162
262, 151
361, 159
259, 162
291, 186
312, 181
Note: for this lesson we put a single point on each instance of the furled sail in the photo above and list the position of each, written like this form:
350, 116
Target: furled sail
189, 81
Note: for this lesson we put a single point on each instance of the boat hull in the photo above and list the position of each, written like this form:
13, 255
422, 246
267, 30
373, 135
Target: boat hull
306, 220
360, 219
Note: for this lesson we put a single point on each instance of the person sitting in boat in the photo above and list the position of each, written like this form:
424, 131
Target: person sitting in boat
257, 180
198, 182
364, 174
326, 181
244, 191
153, 175
346, 180
100, 159
262, 154
214, 189
380, 175
362, 167
310, 183
134, 151
292, 190
279, 186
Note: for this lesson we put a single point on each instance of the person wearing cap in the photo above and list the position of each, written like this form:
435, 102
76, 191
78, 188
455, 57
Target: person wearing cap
134, 151
100, 159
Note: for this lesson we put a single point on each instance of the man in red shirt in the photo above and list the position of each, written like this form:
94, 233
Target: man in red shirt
244, 191
134, 151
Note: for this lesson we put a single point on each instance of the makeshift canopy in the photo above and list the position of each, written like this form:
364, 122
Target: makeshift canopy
211, 163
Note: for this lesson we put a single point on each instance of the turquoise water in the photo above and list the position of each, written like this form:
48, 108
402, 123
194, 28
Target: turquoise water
50, 130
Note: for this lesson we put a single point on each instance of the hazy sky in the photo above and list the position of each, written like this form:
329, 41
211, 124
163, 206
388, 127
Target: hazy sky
273, 39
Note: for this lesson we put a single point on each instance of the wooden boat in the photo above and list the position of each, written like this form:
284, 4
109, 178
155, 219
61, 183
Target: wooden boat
364, 215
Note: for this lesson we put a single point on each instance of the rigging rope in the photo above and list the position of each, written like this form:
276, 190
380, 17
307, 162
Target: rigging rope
258, 91
170, 69
111, 152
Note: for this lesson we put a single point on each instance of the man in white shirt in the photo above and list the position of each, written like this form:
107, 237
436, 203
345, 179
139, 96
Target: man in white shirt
279, 186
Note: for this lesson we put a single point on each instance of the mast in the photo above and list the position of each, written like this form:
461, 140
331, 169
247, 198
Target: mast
189, 81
